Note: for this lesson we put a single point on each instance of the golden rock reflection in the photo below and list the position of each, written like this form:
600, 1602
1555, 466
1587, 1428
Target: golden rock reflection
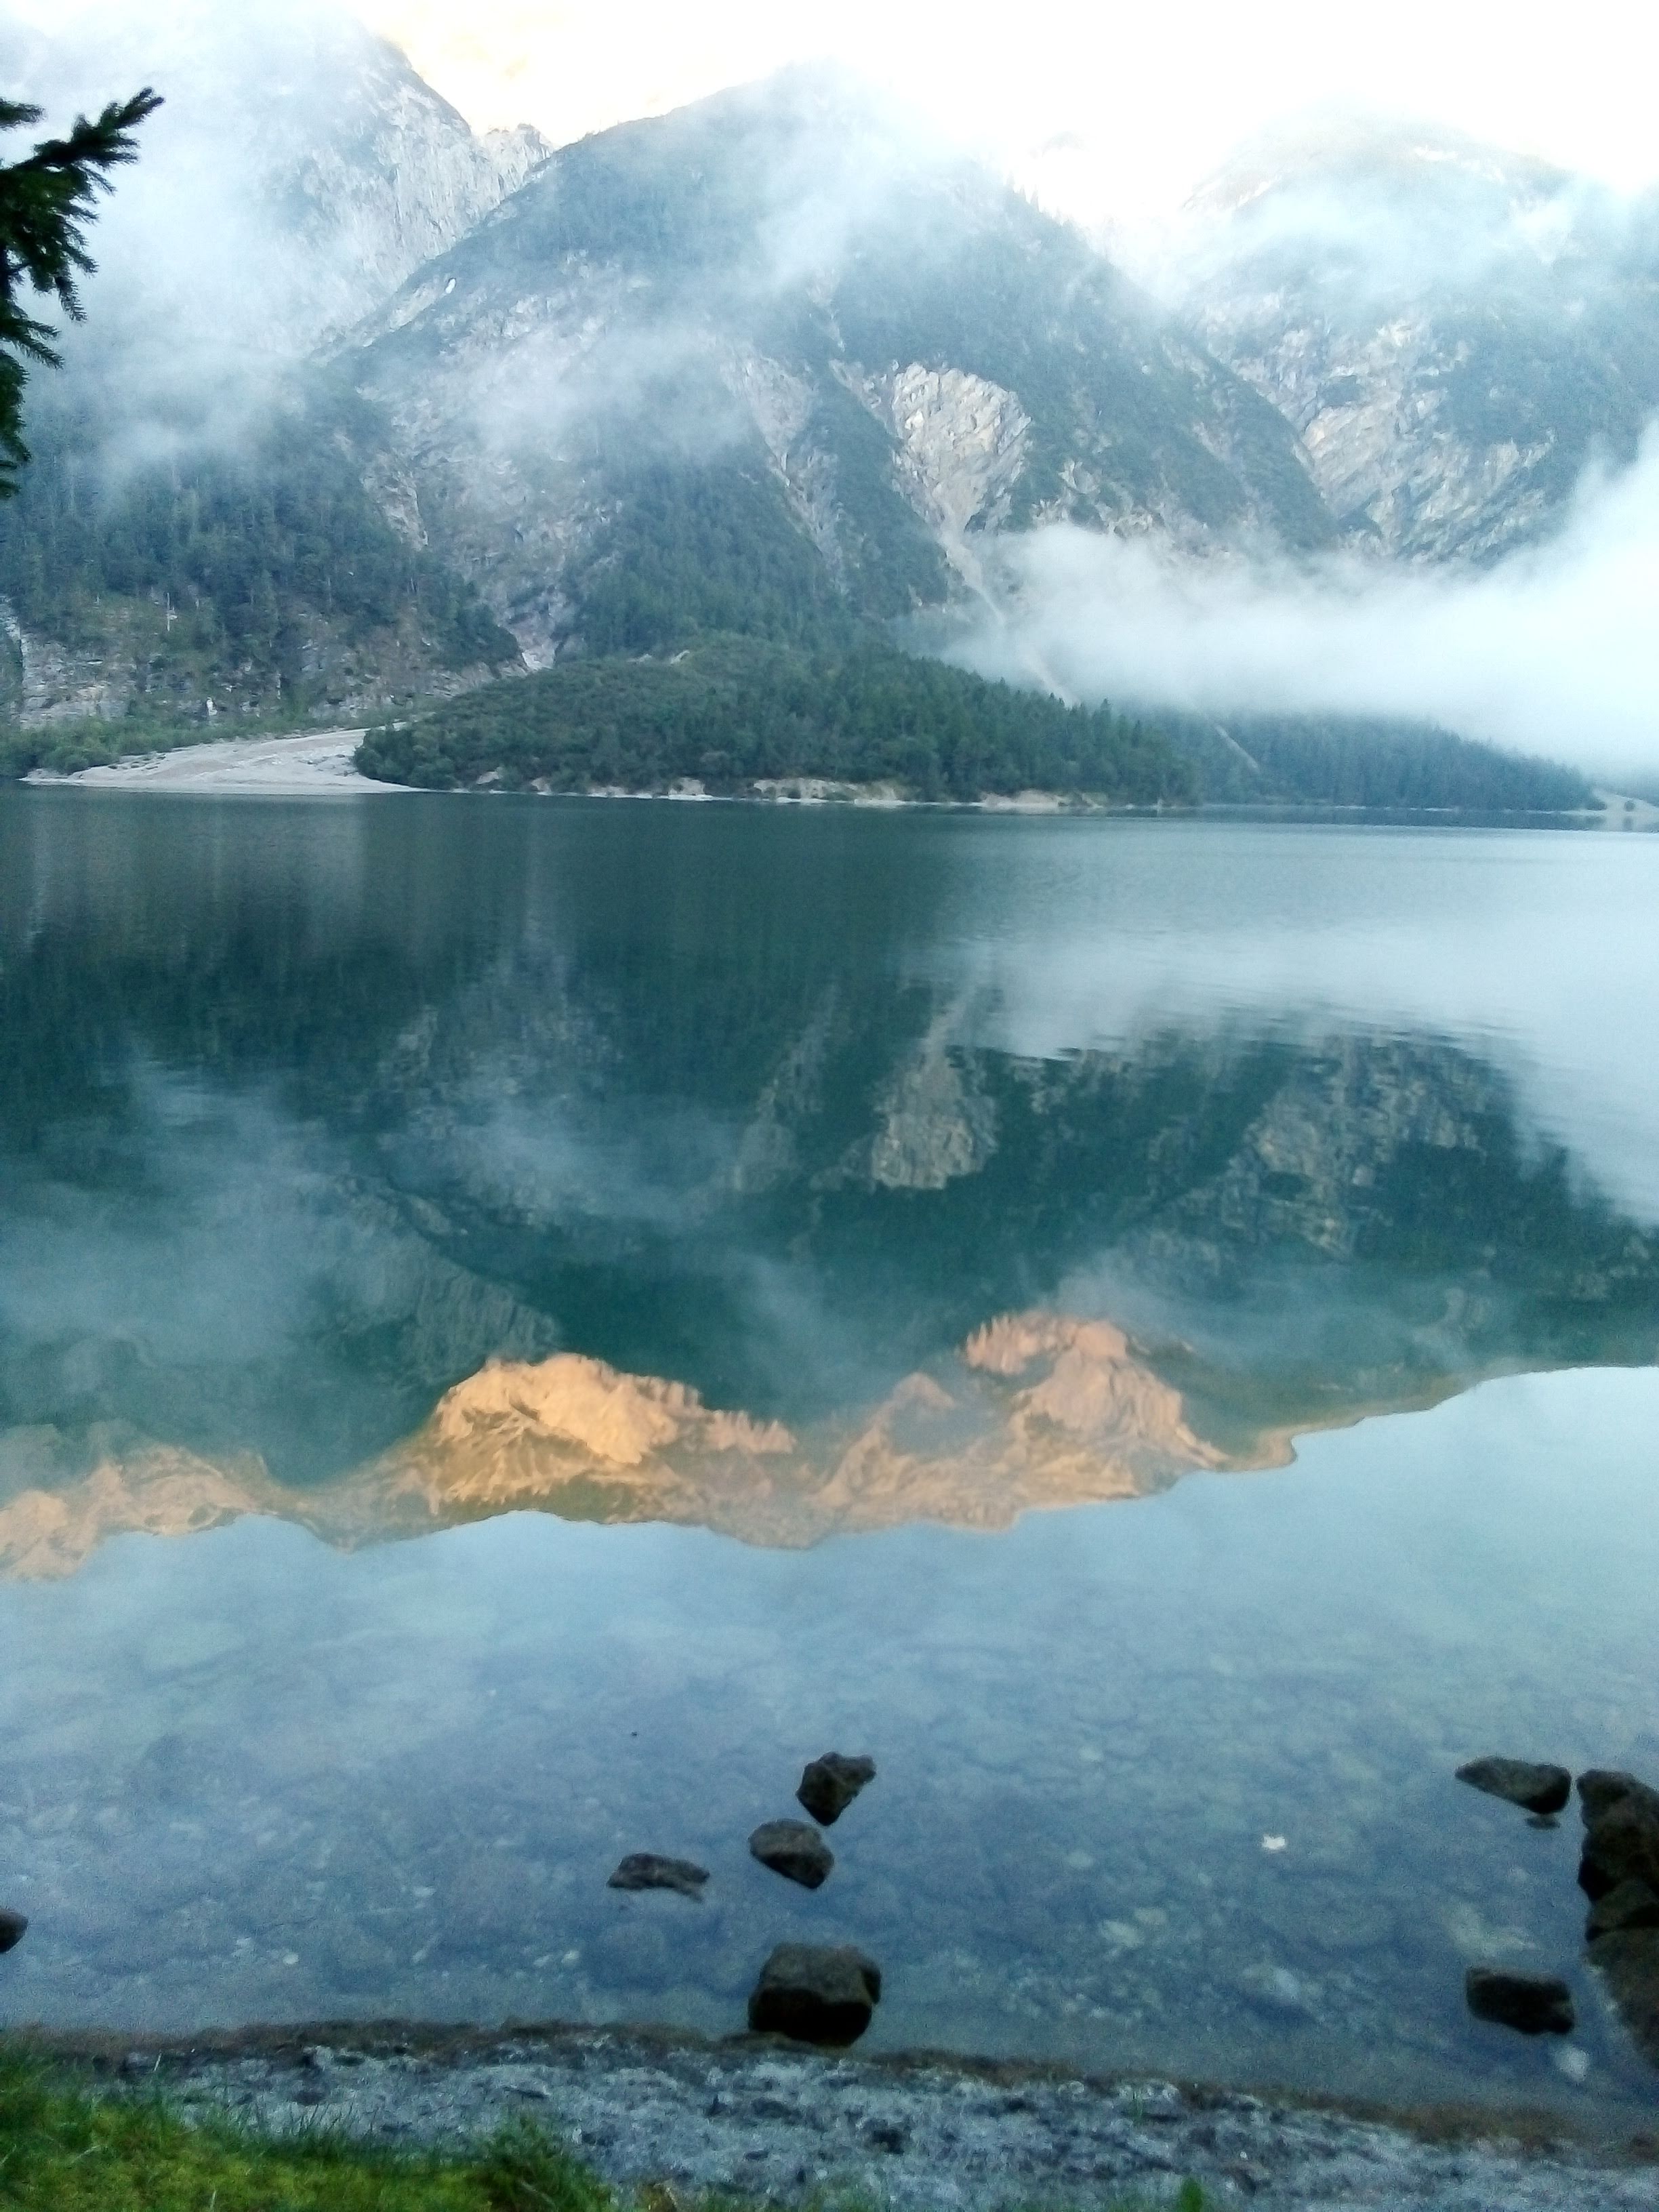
1035, 1410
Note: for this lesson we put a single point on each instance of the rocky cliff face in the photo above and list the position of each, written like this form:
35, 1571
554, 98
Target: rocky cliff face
898, 355
299, 171
1454, 333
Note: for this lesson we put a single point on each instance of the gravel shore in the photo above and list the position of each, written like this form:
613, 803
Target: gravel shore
921, 2134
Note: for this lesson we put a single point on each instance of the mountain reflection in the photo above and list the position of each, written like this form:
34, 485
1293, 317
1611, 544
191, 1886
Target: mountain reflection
387, 1166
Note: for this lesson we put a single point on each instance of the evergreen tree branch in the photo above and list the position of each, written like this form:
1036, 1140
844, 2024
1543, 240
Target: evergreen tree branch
46, 201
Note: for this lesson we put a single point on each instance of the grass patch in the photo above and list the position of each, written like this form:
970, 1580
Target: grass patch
64, 2150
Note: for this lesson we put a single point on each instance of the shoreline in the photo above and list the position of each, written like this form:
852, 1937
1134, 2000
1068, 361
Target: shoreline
921, 2132
318, 764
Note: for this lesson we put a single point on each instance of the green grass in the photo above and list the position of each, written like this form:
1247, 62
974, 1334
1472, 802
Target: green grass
64, 2150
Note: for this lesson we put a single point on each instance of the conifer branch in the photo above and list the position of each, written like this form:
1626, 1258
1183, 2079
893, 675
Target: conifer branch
47, 202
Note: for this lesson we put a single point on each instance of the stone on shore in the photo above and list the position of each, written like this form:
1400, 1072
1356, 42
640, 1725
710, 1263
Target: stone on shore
12, 1927
790, 1848
829, 1785
1537, 2004
816, 1993
1524, 1782
650, 1870
1621, 1832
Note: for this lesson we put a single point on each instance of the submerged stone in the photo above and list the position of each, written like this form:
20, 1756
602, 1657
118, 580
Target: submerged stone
1621, 1832
1601, 1788
1627, 1959
829, 1785
1538, 1787
1627, 1905
650, 1870
12, 1927
1537, 2004
790, 1848
816, 1993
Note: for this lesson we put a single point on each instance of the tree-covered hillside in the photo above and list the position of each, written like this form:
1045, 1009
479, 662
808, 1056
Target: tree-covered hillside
731, 712
255, 572
1334, 760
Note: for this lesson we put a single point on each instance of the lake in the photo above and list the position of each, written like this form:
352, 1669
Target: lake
522, 1321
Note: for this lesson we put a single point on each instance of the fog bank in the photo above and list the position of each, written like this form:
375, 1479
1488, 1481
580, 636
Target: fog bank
1554, 650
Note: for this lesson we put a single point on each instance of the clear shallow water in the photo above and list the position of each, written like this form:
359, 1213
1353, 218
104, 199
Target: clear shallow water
310, 1111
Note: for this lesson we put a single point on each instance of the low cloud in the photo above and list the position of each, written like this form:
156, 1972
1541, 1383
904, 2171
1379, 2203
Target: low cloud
1554, 650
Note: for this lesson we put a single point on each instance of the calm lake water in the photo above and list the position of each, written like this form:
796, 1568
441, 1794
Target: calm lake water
520, 1322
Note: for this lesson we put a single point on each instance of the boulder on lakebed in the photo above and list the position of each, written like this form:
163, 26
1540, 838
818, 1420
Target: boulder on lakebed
1537, 2004
12, 1926
1524, 1782
1627, 1960
816, 1993
1621, 1832
1627, 1905
790, 1848
650, 1870
829, 1785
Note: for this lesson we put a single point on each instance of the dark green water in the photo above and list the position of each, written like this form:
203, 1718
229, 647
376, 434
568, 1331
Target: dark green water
309, 1110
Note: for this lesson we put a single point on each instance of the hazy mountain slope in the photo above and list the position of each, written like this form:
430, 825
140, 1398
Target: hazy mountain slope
300, 169
1456, 333
196, 526
777, 303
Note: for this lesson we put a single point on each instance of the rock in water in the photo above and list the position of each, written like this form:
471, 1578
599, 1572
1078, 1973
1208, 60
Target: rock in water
1601, 1788
1627, 1959
830, 1783
1535, 2003
1627, 1905
648, 1870
816, 1995
790, 1847
1521, 1781
12, 1926
1621, 1832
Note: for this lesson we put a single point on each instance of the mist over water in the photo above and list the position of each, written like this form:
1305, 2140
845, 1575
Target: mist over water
1034, 1181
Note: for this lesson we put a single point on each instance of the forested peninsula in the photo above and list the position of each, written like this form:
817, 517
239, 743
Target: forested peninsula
734, 715
741, 717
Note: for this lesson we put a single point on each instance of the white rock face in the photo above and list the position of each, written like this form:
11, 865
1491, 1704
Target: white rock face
780, 405
962, 445
1371, 408
299, 171
400, 178
1455, 331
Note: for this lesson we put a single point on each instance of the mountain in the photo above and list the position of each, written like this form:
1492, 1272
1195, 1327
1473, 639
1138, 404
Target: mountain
299, 170
778, 328
1454, 332
371, 410
195, 527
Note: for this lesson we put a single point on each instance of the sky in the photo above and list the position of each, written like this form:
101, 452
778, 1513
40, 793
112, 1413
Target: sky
1109, 113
